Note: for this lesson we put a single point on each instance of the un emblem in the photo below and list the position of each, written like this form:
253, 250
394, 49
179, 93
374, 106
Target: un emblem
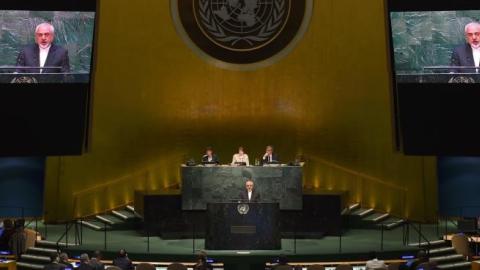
243, 34
24, 79
461, 79
243, 208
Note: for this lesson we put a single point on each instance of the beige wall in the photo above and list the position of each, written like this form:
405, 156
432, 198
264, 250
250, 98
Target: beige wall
156, 103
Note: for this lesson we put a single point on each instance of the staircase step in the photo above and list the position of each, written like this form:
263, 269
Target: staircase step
441, 250
362, 212
392, 223
457, 265
376, 217
447, 258
39, 250
36, 258
94, 224
51, 244
432, 243
124, 214
25, 265
130, 208
109, 219
354, 206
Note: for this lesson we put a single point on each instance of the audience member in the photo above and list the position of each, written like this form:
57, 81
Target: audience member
202, 263
374, 263
422, 257
8, 231
84, 262
63, 259
122, 261
282, 263
96, 261
18, 240
54, 265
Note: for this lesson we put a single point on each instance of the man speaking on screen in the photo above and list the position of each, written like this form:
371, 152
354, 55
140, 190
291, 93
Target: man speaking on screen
44, 53
468, 54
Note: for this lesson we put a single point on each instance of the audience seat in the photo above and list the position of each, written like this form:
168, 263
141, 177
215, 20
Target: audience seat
344, 267
145, 266
461, 245
176, 266
316, 267
394, 266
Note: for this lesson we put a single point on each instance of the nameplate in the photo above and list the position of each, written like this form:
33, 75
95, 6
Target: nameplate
243, 229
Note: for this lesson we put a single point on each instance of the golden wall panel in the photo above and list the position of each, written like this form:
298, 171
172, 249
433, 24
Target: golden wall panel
157, 104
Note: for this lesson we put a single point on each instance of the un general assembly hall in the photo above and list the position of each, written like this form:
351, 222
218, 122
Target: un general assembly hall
239, 135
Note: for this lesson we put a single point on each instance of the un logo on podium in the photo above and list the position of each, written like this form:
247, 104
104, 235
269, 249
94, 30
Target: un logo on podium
243, 208
24, 79
241, 34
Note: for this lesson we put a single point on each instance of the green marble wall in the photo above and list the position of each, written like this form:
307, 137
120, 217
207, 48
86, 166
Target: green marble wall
73, 30
427, 38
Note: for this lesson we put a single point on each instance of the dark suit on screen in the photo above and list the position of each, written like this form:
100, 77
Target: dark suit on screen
254, 198
462, 56
274, 158
30, 57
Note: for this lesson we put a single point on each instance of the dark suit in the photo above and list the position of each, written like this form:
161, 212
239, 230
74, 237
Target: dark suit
54, 266
462, 56
254, 198
214, 159
84, 266
30, 57
274, 158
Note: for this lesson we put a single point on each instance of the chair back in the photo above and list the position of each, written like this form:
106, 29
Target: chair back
394, 266
145, 266
461, 245
176, 266
30, 238
344, 267
316, 267
283, 267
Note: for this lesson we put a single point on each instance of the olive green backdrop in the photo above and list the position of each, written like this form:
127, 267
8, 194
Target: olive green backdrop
156, 103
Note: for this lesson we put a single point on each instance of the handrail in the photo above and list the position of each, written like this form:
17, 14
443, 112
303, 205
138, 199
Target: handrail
360, 174
420, 236
68, 226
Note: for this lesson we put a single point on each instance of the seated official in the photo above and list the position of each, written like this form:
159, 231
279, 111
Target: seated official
468, 54
240, 158
269, 156
209, 156
249, 194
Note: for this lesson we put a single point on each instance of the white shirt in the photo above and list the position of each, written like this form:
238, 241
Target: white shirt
476, 56
376, 264
43, 56
240, 158
249, 195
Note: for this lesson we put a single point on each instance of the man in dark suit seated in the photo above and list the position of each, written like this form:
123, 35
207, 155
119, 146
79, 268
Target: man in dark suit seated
468, 54
54, 265
249, 194
44, 53
269, 156
210, 156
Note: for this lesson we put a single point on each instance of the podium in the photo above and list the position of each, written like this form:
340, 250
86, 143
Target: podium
44, 78
243, 226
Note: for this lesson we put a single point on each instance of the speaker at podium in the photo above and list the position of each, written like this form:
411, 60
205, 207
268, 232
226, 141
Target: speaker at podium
243, 226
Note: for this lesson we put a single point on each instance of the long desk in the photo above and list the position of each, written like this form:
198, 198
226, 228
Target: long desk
202, 185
